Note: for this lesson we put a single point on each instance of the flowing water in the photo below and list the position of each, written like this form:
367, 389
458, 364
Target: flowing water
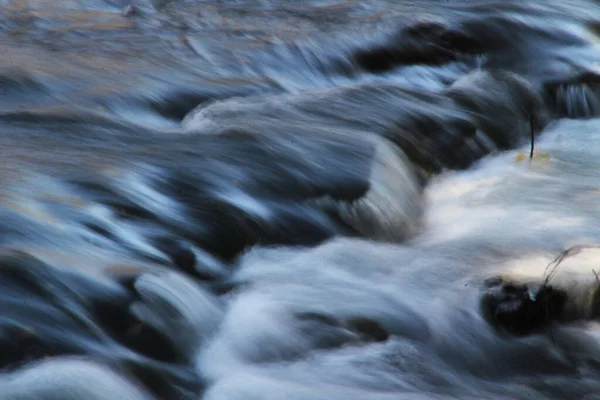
274, 199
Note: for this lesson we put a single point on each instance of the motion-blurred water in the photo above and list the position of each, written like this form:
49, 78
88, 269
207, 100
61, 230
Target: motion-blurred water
272, 199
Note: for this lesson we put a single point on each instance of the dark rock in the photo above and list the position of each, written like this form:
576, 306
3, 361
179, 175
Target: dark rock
521, 308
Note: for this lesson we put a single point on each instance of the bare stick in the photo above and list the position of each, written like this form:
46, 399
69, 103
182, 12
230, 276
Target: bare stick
554, 264
597, 275
532, 131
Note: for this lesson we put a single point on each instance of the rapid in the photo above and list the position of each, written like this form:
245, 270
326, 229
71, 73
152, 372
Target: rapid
273, 199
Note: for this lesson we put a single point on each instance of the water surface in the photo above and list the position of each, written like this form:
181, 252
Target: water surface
292, 200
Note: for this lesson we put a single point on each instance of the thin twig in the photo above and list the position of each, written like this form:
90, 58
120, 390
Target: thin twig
571, 251
597, 275
532, 131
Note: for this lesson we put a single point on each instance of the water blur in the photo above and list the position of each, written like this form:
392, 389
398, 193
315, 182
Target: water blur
269, 199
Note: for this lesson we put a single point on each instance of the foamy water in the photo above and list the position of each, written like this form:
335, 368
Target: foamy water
276, 200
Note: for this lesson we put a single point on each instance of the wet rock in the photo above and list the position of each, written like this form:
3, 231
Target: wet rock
522, 308
130, 11
368, 330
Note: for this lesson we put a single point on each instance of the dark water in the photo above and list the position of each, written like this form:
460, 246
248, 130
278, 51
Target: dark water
294, 200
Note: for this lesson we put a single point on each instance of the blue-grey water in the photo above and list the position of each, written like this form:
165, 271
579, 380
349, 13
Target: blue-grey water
271, 199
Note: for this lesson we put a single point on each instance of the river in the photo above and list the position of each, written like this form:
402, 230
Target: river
274, 199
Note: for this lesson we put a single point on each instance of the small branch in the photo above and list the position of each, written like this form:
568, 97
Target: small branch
532, 131
597, 275
572, 251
